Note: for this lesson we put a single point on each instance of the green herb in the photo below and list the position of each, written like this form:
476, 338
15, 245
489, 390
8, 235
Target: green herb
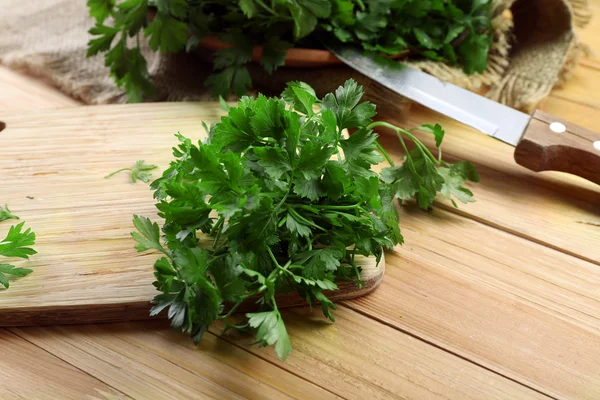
450, 31
138, 172
16, 244
6, 214
289, 202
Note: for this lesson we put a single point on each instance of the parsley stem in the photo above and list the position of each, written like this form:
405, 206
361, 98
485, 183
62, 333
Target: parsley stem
269, 9
215, 258
117, 171
289, 190
408, 158
351, 207
412, 137
384, 153
279, 267
273, 257
299, 217
420, 145
356, 271
218, 226
244, 298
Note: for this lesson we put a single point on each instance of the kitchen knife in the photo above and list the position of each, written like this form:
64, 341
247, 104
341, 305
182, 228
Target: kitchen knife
543, 142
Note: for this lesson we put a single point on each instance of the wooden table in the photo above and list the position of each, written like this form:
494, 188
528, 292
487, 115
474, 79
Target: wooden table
497, 299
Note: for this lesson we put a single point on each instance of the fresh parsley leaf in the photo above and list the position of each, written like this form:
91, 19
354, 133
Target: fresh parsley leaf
437, 130
105, 34
344, 104
147, 236
100, 9
133, 15
271, 330
140, 171
6, 214
7, 269
17, 242
273, 55
167, 34
177, 8
248, 8
454, 179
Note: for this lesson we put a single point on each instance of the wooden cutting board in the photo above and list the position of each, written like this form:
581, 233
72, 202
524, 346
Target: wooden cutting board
52, 168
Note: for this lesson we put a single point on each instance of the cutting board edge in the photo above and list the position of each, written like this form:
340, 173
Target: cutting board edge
140, 310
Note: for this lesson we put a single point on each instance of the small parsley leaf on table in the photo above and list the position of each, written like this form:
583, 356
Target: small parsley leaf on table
6, 214
140, 171
16, 244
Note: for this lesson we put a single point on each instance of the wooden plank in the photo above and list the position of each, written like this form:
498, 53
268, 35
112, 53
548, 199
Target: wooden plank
581, 86
590, 34
582, 114
29, 372
354, 358
544, 207
86, 269
20, 92
159, 367
518, 308
363, 359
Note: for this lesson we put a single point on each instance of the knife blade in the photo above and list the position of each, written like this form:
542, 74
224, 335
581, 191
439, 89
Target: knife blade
543, 142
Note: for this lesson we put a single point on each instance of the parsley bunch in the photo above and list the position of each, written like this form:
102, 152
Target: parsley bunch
451, 31
289, 201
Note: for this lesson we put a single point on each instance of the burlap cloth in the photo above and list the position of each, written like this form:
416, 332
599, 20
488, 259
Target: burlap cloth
535, 49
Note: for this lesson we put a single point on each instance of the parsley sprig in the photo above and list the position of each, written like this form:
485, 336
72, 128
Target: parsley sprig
139, 171
16, 244
450, 31
289, 201
5, 213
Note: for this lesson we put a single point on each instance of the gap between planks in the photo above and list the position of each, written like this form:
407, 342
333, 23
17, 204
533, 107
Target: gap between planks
282, 366
14, 331
491, 224
52, 355
349, 305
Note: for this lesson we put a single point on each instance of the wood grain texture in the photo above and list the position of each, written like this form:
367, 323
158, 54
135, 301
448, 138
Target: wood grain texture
28, 372
86, 269
590, 33
149, 361
521, 309
343, 358
571, 151
582, 85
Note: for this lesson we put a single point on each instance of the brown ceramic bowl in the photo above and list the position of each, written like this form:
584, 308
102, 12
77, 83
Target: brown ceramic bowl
295, 57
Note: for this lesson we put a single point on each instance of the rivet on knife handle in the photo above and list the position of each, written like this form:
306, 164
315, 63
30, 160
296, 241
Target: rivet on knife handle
552, 144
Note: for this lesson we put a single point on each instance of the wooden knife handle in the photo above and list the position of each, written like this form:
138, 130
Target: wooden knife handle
553, 144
